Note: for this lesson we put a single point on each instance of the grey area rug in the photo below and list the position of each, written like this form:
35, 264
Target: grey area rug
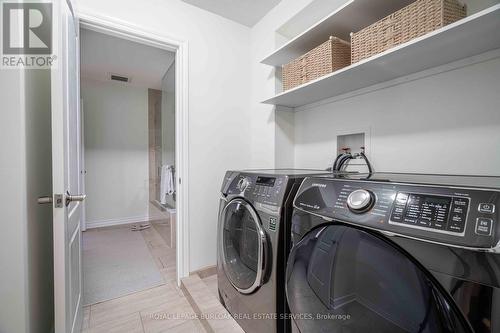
116, 262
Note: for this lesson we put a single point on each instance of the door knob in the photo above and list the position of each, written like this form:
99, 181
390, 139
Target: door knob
70, 198
44, 200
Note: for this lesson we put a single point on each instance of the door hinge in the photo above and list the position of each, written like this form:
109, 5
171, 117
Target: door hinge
58, 200
180, 182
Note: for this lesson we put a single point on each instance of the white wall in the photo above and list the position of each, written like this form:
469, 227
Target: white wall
267, 126
26, 286
432, 124
13, 256
219, 85
116, 152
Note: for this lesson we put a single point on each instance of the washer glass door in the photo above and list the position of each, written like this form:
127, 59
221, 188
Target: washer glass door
344, 279
243, 245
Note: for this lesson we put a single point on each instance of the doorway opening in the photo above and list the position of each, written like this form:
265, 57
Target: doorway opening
132, 119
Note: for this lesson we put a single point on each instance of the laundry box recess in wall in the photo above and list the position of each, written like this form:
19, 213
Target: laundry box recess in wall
412, 21
324, 59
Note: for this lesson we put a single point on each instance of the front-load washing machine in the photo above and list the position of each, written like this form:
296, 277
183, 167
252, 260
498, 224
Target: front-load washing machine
253, 244
395, 253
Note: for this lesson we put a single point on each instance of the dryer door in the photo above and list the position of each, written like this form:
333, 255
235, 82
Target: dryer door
242, 246
344, 279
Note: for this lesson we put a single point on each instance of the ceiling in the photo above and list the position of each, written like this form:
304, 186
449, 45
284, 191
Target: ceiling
247, 12
102, 55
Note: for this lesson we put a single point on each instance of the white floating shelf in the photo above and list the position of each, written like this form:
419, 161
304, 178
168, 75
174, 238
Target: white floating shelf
351, 17
468, 37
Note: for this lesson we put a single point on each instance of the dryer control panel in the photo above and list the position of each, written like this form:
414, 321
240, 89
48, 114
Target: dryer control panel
459, 216
265, 189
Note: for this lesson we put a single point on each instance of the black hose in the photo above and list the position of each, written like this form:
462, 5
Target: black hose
370, 170
334, 166
343, 160
339, 161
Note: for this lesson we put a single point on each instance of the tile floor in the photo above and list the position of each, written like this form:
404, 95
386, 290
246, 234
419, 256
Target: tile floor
159, 309
116, 262
211, 282
203, 298
163, 309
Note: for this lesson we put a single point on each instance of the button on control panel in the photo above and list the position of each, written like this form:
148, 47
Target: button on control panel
458, 215
484, 226
399, 207
486, 208
433, 212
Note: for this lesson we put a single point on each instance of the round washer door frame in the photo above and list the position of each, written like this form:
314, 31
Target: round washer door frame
262, 245
313, 279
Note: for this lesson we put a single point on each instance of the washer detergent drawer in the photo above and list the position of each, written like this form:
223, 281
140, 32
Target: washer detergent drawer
344, 279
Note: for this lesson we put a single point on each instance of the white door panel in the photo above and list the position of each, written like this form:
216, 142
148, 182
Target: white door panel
66, 173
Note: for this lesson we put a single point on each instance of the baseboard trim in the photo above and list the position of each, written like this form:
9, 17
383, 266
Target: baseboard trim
163, 208
123, 220
205, 271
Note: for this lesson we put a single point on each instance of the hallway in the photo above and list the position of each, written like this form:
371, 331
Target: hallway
163, 308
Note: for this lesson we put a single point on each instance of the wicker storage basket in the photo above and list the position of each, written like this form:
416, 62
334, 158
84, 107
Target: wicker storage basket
326, 58
412, 21
294, 73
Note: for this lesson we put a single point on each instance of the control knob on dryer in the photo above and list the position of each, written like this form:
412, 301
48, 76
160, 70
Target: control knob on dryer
243, 184
359, 201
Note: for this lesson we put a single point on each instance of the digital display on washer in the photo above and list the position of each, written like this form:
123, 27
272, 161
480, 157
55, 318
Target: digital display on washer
266, 181
430, 211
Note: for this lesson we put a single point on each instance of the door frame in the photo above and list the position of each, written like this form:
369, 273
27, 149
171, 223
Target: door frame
81, 155
113, 27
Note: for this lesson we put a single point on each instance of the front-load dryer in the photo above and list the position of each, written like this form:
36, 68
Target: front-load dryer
395, 253
253, 244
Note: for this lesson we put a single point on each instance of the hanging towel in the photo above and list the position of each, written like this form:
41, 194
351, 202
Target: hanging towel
167, 183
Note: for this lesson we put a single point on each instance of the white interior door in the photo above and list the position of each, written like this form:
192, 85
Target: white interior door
66, 148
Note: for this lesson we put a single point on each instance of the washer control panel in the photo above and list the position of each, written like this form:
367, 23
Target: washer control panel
449, 215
